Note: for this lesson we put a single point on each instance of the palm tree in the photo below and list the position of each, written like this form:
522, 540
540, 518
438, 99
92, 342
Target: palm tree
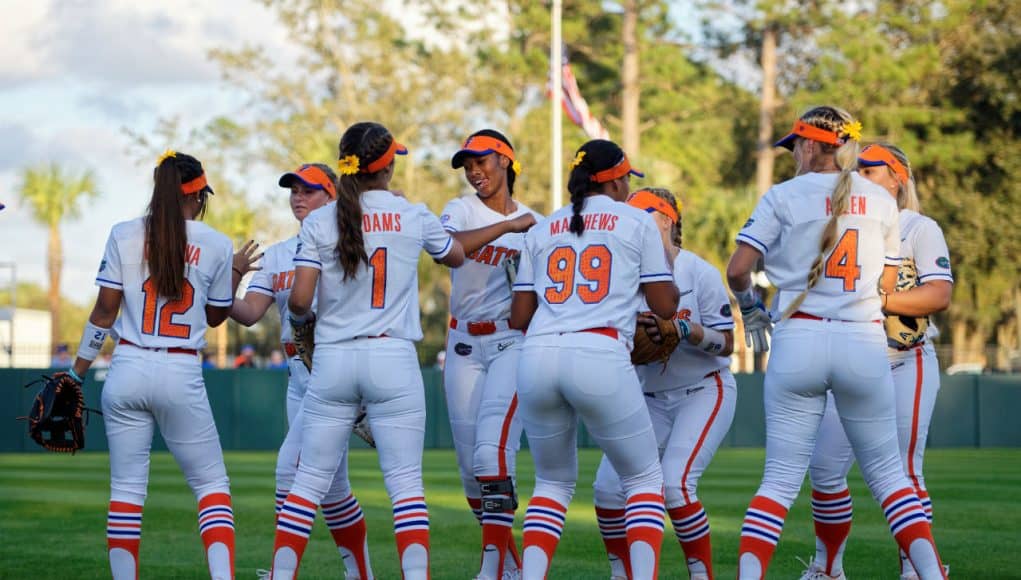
54, 195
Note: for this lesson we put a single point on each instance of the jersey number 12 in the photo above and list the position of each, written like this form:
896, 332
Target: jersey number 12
167, 326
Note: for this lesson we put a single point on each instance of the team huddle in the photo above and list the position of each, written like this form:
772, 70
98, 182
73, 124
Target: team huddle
544, 315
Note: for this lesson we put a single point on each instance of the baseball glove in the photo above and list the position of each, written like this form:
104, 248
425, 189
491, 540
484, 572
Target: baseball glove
905, 331
304, 335
361, 429
510, 268
647, 350
57, 418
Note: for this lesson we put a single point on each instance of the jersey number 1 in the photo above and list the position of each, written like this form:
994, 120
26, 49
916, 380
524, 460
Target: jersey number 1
378, 264
843, 261
593, 263
167, 326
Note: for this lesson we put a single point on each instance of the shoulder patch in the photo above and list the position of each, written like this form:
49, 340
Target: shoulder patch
102, 265
943, 262
445, 218
748, 223
725, 311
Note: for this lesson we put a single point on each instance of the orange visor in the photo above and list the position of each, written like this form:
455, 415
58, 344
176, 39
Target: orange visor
385, 159
875, 155
480, 145
195, 185
312, 177
803, 129
622, 168
650, 202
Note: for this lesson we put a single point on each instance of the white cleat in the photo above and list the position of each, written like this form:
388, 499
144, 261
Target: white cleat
814, 571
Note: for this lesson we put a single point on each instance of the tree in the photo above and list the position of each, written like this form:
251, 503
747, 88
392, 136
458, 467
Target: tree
55, 195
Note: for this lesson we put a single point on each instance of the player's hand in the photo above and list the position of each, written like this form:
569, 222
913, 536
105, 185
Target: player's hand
246, 257
648, 320
522, 223
757, 327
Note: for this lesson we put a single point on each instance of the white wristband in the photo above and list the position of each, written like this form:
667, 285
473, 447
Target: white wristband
92, 341
713, 341
747, 297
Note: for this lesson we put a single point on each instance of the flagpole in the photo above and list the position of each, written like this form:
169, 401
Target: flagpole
556, 64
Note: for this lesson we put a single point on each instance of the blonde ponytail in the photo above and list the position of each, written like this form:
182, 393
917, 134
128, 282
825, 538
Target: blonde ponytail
846, 159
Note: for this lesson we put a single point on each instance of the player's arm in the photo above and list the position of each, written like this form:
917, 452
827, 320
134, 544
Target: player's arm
929, 298
662, 298
251, 308
523, 307
472, 240
104, 313
303, 291
455, 257
739, 270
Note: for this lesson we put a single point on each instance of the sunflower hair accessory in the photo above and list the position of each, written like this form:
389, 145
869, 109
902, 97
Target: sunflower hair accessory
348, 165
577, 159
852, 130
516, 166
166, 154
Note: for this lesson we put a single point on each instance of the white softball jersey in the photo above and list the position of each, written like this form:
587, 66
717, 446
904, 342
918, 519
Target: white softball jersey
787, 225
922, 241
276, 278
382, 298
479, 287
149, 320
592, 280
704, 300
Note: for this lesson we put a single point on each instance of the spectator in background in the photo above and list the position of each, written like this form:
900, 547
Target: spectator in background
208, 360
441, 360
277, 360
61, 357
245, 360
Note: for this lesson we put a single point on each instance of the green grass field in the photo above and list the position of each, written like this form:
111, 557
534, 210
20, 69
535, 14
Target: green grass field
53, 517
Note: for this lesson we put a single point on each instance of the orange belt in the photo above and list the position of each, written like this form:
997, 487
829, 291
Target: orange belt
481, 327
604, 330
171, 350
807, 316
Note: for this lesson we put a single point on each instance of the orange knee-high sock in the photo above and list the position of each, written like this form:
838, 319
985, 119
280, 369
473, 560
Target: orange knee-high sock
544, 522
760, 531
643, 516
614, 532
832, 514
347, 526
123, 532
294, 525
411, 528
691, 526
908, 524
923, 496
216, 526
497, 531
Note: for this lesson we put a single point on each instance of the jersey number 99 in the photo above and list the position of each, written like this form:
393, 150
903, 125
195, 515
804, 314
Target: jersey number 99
593, 264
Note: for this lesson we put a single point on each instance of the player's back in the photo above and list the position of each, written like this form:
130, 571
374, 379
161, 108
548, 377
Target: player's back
382, 298
592, 280
153, 321
787, 227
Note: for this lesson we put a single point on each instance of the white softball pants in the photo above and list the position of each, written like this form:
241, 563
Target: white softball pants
690, 423
145, 389
383, 375
564, 377
849, 359
480, 383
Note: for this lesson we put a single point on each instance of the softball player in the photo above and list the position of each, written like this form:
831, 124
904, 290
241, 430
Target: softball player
691, 400
169, 277
915, 371
578, 291
312, 186
482, 350
823, 236
365, 246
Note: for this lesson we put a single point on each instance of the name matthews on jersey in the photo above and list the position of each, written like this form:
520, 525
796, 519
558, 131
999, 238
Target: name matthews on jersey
593, 221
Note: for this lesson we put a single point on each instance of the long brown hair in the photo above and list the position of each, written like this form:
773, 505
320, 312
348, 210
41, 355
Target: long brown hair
166, 233
846, 158
368, 142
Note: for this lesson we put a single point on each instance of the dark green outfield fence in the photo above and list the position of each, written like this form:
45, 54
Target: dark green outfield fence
249, 407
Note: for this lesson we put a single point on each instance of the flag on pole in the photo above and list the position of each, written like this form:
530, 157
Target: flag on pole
575, 106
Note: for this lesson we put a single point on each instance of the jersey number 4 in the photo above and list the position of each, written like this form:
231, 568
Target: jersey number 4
593, 264
843, 261
167, 326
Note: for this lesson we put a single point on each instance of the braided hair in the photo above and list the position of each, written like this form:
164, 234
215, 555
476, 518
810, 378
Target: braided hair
166, 231
845, 156
368, 142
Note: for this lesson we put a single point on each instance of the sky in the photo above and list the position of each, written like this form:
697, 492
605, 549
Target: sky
74, 75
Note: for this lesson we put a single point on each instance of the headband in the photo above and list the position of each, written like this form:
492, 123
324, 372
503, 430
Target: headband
313, 177
850, 130
875, 155
195, 185
351, 164
622, 168
645, 200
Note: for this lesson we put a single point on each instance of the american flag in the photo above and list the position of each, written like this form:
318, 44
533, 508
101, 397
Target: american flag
574, 104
